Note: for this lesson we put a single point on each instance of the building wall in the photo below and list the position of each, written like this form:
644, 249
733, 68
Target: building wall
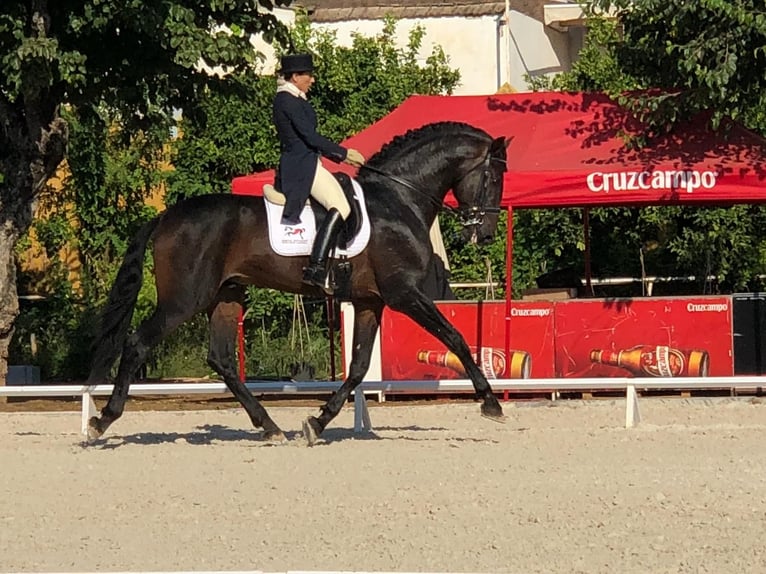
484, 51
475, 50
536, 50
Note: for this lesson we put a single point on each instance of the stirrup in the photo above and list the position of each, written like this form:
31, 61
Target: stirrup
318, 277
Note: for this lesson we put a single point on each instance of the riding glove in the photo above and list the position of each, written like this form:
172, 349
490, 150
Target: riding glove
354, 158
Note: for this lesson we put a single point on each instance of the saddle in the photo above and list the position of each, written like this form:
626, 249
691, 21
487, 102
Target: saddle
353, 223
297, 240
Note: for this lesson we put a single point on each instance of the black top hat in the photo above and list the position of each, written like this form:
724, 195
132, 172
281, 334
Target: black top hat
296, 63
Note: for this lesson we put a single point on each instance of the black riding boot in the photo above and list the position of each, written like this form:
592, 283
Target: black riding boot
326, 239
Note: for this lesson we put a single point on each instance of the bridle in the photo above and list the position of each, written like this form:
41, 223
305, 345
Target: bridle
468, 216
474, 215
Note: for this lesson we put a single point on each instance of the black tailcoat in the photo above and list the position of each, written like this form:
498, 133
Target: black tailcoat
300, 147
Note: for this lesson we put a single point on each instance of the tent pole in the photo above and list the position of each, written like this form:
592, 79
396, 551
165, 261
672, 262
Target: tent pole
508, 287
586, 233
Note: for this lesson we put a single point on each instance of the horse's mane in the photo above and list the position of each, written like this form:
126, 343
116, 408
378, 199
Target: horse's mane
416, 136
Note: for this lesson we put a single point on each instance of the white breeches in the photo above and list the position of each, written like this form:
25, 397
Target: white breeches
328, 192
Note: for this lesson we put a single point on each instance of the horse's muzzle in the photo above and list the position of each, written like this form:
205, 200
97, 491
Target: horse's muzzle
478, 234
485, 239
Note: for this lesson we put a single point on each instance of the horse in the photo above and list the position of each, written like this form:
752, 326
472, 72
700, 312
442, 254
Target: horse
208, 248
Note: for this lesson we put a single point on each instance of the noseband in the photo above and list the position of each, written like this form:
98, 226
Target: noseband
468, 216
474, 215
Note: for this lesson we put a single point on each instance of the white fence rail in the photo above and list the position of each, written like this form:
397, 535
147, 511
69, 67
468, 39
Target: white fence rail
630, 386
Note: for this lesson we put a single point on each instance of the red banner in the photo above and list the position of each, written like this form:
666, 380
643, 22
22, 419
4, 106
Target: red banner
408, 352
644, 337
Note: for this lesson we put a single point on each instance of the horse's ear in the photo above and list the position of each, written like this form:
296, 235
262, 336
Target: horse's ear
498, 144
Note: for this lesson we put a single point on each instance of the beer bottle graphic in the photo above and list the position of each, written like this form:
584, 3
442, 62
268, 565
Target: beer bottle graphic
491, 361
656, 361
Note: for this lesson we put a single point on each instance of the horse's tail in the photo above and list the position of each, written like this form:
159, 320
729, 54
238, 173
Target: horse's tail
118, 312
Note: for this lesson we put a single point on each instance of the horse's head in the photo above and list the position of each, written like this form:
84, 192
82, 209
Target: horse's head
425, 163
479, 190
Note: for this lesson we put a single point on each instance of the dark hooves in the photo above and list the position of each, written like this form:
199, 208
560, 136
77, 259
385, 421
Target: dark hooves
493, 412
311, 431
94, 429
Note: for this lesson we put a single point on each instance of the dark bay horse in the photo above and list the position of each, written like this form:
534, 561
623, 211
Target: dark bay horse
208, 248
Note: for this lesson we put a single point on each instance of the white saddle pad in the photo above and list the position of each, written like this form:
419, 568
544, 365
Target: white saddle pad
294, 240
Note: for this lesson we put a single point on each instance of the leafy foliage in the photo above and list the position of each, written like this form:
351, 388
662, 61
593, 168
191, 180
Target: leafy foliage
128, 60
54, 333
597, 68
669, 61
358, 85
111, 178
706, 55
132, 56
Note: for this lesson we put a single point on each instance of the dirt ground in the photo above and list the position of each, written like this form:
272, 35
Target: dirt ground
561, 488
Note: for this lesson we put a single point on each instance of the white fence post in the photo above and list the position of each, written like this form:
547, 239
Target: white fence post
361, 414
88, 410
632, 414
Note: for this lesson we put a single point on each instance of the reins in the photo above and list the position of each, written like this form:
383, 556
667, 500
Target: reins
468, 215
409, 185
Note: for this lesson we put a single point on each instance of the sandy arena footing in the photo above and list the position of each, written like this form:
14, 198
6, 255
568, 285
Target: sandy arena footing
561, 488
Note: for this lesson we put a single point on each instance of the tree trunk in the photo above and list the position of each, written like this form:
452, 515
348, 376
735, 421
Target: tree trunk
25, 167
15, 219
9, 303
33, 140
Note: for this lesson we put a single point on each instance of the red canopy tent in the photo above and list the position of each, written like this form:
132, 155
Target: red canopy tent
569, 150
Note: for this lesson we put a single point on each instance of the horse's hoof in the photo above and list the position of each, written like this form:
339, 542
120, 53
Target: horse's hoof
310, 432
275, 437
94, 429
493, 413
495, 418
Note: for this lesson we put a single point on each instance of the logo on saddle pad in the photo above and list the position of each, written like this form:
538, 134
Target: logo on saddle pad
294, 233
295, 240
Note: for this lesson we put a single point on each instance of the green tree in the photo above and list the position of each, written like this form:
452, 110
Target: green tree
139, 59
92, 216
706, 55
689, 57
113, 172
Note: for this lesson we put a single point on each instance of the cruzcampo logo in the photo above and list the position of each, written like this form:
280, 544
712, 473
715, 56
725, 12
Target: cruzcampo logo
687, 180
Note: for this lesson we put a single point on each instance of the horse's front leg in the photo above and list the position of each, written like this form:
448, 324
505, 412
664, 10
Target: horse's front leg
422, 310
366, 323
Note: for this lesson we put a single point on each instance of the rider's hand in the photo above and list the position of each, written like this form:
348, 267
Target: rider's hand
354, 158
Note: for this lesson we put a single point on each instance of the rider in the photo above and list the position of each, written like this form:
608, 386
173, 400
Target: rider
300, 172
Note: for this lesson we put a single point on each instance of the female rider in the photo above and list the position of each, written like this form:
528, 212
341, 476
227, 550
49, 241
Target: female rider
300, 172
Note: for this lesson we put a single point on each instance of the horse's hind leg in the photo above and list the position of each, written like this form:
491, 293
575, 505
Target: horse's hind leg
366, 322
221, 357
134, 353
423, 311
